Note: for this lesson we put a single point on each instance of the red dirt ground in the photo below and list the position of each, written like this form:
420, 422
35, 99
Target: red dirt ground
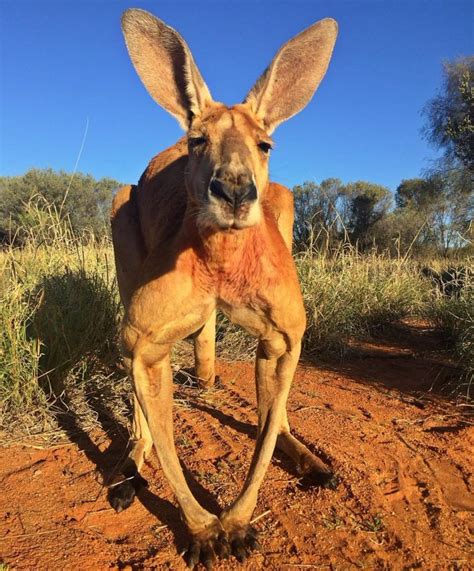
403, 456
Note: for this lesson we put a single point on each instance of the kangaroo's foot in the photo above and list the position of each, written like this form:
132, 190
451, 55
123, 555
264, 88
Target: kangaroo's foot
312, 469
242, 537
124, 488
206, 546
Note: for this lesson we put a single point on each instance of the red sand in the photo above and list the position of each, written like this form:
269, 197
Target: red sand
404, 462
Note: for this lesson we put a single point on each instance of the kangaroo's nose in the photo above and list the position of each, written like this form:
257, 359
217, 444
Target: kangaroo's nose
235, 196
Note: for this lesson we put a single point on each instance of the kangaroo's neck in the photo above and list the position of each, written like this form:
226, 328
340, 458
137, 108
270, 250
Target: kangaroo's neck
228, 250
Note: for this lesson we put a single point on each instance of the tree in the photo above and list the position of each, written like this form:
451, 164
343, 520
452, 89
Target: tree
81, 198
454, 210
435, 211
417, 193
450, 126
369, 203
329, 213
450, 114
317, 220
399, 231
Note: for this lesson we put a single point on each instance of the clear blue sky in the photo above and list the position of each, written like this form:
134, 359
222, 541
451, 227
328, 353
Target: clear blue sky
65, 61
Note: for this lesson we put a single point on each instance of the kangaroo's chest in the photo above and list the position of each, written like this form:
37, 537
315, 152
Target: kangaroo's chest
240, 280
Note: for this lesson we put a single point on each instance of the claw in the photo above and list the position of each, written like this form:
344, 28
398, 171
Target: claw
192, 555
254, 544
205, 550
222, 547
207, 556
251, 533
239, 551
121, 497
243, 542
326, 480
332, 482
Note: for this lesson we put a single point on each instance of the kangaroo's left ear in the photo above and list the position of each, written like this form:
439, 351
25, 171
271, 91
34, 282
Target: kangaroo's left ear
290, 81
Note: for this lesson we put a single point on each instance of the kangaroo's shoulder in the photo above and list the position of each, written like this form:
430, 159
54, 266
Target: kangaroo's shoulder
167, 165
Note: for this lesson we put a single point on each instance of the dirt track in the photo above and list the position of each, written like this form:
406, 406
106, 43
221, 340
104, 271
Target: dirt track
404, 461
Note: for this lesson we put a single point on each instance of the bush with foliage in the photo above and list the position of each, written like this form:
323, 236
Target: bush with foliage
79, 198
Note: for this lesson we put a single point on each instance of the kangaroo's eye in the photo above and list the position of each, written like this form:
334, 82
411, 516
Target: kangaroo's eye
196, 141
264, 146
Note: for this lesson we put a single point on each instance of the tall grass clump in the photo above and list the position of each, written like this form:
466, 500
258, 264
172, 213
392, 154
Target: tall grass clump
19, 353
59, 315
453, 314
348, 295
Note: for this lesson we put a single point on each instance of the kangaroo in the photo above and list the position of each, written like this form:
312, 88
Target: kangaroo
204, 229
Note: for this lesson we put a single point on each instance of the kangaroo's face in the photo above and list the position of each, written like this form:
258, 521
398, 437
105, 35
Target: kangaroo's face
228, 166
229, 147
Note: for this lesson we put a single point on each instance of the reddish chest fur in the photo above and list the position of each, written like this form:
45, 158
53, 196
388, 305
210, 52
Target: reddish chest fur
237, 266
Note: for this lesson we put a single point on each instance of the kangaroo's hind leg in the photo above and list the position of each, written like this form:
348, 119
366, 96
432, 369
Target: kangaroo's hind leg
127, 482
205, 352
129, 253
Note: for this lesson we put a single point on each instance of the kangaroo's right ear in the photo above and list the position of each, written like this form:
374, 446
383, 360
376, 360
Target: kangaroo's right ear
165, 65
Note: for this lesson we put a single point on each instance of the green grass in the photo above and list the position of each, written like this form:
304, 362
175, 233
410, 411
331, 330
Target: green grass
60, 316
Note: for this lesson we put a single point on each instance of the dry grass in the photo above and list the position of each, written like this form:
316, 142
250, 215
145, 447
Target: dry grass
454, 315
60, 316
348, 295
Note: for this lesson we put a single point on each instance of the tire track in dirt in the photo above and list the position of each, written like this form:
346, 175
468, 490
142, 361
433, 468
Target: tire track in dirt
240, 403
235, 404
419, 487
226, 416
215, 441
283, 521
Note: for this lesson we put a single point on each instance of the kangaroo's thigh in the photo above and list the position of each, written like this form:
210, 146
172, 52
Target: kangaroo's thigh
129, 249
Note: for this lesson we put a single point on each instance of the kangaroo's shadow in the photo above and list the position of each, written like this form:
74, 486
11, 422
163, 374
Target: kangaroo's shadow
108, 462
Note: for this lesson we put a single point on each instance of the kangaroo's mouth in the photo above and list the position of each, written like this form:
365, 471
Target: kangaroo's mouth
222, 216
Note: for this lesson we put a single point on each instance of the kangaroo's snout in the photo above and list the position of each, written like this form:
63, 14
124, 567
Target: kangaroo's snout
233, 195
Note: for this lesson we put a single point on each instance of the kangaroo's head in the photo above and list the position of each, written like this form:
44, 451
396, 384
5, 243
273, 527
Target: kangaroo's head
229, 147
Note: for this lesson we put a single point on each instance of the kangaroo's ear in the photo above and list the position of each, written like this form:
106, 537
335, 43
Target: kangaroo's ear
165, 65
290, 81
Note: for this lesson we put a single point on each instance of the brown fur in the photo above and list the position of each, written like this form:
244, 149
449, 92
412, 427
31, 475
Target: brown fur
203, 230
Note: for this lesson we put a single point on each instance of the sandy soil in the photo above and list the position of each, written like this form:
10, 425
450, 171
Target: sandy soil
402, 453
